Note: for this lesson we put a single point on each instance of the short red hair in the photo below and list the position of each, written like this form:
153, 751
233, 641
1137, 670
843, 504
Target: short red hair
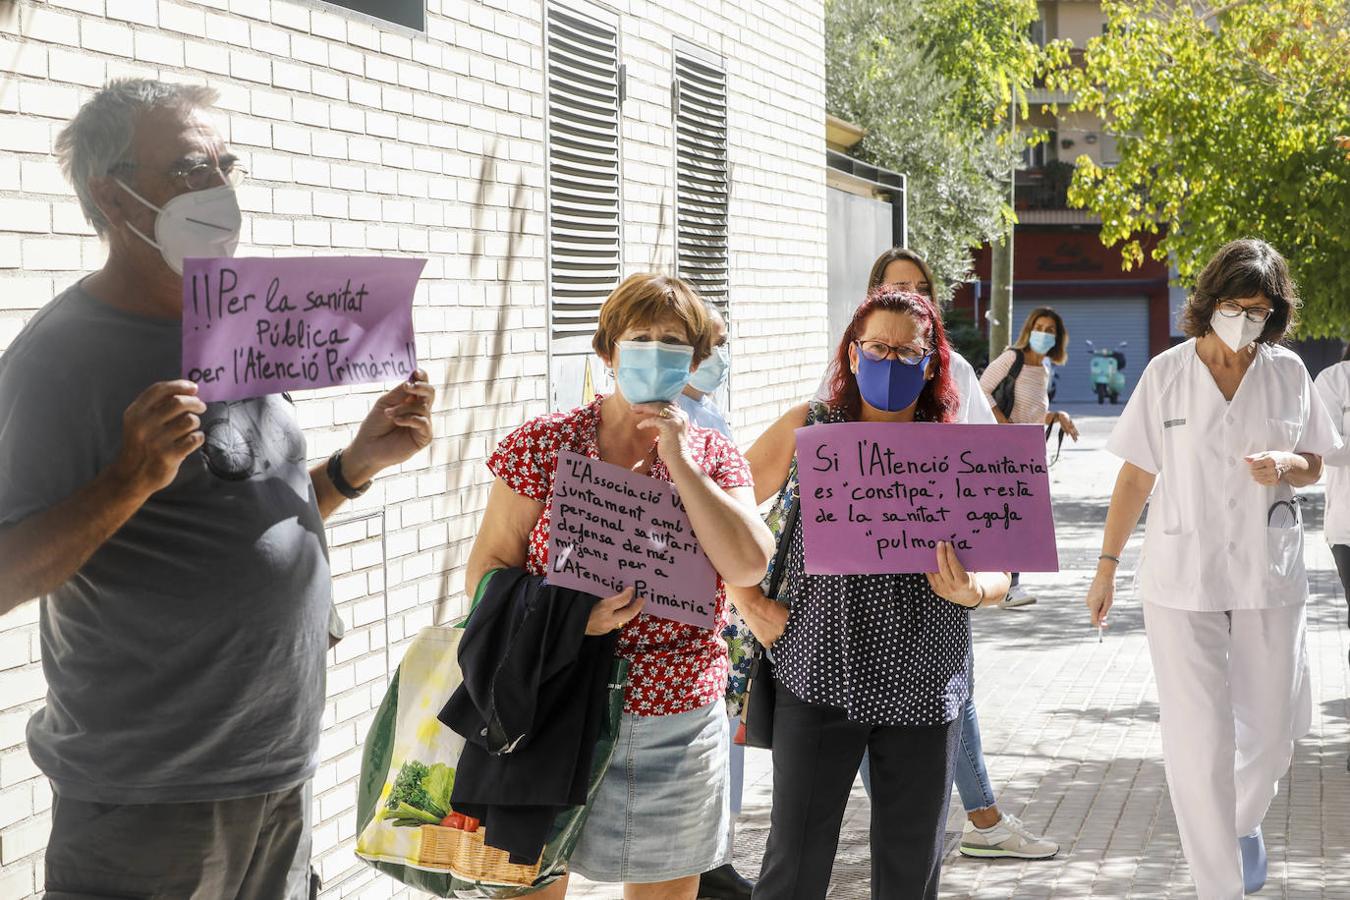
939, 400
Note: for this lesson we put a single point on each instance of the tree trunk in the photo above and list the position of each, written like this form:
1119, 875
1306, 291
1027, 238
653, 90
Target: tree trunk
1000, 295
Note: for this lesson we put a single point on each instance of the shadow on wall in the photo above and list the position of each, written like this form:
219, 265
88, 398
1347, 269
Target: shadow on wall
662, 227
459, 368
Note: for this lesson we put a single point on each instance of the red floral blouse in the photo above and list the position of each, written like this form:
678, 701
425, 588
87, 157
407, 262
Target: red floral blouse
674, 667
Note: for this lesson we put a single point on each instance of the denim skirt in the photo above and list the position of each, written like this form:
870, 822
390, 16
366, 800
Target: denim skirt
662, 811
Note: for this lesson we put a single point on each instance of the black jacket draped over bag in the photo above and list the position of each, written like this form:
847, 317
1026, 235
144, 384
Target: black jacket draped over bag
530, 709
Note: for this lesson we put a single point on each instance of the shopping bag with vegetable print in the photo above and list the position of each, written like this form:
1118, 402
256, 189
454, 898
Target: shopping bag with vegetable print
406, 826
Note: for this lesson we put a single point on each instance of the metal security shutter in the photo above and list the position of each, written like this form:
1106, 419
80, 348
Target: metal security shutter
1106, 322
584, 93
699, 107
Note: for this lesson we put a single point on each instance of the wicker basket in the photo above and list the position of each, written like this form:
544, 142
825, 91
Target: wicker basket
466, 855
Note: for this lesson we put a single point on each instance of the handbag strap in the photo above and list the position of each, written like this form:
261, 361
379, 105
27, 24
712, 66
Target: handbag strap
791, 500
1058, 446
1005, 392
784, 544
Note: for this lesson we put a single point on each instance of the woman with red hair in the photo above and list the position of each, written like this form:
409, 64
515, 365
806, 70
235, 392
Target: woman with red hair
876, 663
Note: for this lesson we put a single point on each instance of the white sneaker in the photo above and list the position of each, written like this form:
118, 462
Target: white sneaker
1017, 596
1008, 839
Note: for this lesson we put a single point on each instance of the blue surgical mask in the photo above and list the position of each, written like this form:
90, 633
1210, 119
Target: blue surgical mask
889, 384
711, 374
652, 372
1041, 342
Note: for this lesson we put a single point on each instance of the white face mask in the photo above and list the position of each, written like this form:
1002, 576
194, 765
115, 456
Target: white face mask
203, 223
1236, 332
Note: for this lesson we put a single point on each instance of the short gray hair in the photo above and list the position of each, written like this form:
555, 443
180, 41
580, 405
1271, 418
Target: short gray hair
98, 139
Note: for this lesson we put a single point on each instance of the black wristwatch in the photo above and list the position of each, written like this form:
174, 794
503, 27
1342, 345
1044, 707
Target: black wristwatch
339, 480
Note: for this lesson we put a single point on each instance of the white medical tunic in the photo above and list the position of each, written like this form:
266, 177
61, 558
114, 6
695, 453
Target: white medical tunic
705, 413
1216, 540
1334, 387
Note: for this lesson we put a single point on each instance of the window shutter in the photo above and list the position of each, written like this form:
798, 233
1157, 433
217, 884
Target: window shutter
701, 177
584, 92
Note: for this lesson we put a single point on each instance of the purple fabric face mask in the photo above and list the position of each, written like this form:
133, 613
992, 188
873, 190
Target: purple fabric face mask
889, 384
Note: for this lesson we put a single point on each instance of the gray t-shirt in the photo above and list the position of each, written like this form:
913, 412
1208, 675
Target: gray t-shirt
185, 660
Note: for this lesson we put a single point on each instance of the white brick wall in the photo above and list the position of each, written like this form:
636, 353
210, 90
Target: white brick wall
362, 138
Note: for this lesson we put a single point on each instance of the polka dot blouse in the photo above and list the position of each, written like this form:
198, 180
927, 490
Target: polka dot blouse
674, 667
883, 648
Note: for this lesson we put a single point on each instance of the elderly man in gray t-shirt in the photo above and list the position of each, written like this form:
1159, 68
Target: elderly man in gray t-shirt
177, 546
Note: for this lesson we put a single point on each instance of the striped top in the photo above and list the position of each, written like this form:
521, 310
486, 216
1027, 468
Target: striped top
1030, 400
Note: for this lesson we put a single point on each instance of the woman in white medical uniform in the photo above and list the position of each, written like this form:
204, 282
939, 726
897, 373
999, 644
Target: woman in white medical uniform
1221, 429
1334, 386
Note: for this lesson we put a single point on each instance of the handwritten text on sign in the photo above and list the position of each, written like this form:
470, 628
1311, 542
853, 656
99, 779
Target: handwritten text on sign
255, 326
613, 529
877, 498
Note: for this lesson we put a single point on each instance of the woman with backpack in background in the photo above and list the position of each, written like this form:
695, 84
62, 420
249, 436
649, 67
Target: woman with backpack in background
1017, 384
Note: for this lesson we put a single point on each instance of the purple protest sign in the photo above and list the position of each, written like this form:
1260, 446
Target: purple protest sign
876, 498
613, 528
261, 325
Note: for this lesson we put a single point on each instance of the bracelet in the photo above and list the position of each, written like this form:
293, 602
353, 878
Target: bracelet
1114, 559
334, 470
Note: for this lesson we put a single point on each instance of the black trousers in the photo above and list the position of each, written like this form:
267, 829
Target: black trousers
1341, 553
816, 753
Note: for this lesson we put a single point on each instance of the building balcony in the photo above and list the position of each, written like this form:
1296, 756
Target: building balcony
1043, 187
1042, 196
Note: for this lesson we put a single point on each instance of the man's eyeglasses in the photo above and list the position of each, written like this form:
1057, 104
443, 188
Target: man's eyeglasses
200, 176
1231, 309
879, 350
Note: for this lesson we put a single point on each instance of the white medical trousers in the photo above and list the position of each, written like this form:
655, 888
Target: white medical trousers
1234, 695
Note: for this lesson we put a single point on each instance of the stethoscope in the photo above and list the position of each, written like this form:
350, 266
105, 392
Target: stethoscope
1286, 511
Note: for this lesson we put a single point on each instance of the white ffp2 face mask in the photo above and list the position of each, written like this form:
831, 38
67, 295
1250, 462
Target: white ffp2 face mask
1236, 332
203, 223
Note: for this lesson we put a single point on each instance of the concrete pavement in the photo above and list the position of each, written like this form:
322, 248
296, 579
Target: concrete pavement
1072, 743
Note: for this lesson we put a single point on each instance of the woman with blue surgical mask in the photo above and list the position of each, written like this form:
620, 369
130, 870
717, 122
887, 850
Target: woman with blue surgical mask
1043, 340
660, 817
988, 832
697, 399
866, 663
1217, 435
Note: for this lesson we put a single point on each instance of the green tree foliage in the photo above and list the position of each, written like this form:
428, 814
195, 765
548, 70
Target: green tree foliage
930, 80
1231, 122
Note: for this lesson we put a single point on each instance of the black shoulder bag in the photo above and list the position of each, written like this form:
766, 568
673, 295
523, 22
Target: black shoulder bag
760, 688
1005, 391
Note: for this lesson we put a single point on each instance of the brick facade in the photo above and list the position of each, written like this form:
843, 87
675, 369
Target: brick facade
366, 138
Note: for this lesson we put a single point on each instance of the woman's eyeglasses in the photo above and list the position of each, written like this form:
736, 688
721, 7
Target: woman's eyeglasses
1231, 309
879, 350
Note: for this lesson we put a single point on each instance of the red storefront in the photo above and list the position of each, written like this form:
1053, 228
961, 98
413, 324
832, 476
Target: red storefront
1069, 269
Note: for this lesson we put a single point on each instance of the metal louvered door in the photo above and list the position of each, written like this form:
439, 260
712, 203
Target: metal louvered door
584, 91
699, 109
1106, 321
699, 106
